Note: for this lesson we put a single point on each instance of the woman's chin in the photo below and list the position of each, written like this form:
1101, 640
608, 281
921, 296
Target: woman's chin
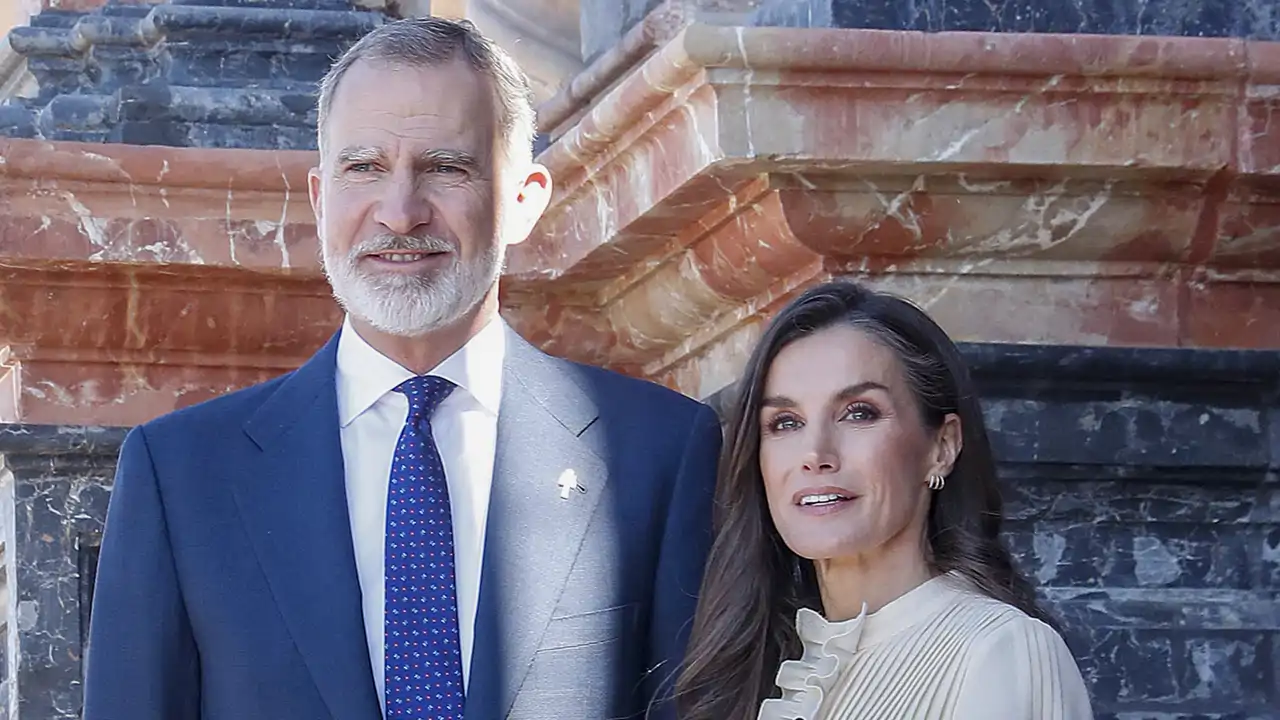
822, 549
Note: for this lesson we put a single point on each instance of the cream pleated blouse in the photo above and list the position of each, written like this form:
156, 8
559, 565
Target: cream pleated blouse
943, 651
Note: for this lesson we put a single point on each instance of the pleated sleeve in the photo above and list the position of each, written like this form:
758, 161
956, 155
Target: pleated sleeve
1022, 670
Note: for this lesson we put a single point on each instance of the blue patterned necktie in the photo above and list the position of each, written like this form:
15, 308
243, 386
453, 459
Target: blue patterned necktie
423, 656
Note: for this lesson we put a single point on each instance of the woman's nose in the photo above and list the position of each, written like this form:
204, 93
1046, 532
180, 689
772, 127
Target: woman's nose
822, 457
819, 465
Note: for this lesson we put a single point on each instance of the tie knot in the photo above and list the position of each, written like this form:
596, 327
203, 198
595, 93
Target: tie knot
425, 393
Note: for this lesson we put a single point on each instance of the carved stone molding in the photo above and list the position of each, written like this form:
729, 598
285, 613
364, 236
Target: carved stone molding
137, 280
1041, 188
128, 203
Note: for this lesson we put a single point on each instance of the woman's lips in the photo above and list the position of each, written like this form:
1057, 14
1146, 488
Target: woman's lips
823, 500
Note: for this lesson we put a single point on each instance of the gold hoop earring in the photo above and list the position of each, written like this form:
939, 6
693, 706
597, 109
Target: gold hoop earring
937, 482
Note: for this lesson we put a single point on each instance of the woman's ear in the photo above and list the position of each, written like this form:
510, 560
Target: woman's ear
947, 445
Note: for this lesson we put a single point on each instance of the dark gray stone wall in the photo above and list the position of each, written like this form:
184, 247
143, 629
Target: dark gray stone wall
1254, 19
190, 73
1142, 494
53, 500
1257, 19
1199, 18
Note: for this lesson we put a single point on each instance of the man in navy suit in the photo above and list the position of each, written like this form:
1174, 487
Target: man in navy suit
430, 514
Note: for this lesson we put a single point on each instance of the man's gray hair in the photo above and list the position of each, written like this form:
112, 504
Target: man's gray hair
432, 41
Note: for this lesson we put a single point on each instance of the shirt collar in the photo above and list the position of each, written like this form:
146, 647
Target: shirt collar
915, 606
365, 376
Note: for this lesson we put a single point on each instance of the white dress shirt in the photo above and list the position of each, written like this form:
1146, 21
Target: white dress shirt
465, 427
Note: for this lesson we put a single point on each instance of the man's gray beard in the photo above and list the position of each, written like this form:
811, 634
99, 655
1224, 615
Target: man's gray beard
409, 305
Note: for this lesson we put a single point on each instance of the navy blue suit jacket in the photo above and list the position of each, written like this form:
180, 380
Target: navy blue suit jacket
227, 589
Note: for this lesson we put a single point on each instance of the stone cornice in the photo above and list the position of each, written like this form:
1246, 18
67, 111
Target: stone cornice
128, 203
737, 164
711, 86
156, 166
138, 279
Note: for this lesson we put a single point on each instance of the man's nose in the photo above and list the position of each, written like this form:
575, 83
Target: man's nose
403, 207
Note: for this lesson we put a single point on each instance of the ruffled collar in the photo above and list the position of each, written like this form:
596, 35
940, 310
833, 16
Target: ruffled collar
829, 646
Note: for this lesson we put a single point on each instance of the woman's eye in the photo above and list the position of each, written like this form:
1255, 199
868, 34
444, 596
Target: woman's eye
861, 412
782, 423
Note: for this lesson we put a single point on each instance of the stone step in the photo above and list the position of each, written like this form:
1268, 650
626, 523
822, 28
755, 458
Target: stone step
18, 120
342, 5
160, 114
252, 65
214, 73
63, 18
279, 23
62, 34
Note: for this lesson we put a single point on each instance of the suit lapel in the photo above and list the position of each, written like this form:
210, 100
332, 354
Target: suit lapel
533, 533
294, 507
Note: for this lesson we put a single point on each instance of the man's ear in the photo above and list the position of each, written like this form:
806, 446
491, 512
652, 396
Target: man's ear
313, 191
533, 194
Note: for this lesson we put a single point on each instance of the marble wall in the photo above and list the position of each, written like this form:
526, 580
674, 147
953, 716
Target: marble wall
1143, 496
53, 500
1256, 19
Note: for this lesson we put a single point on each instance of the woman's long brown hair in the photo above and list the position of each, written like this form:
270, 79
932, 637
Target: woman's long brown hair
753, 585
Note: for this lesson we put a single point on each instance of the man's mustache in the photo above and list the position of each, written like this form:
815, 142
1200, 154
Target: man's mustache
401, 243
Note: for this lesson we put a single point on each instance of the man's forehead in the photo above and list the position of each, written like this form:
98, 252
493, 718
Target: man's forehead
408, 105
453, 82
370, 142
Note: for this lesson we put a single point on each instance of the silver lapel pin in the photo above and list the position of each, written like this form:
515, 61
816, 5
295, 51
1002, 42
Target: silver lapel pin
568, 482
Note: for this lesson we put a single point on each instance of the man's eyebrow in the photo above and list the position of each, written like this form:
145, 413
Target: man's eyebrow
447, 157
357, 154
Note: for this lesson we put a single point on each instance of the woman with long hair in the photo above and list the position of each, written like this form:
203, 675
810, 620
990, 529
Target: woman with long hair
857, 569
